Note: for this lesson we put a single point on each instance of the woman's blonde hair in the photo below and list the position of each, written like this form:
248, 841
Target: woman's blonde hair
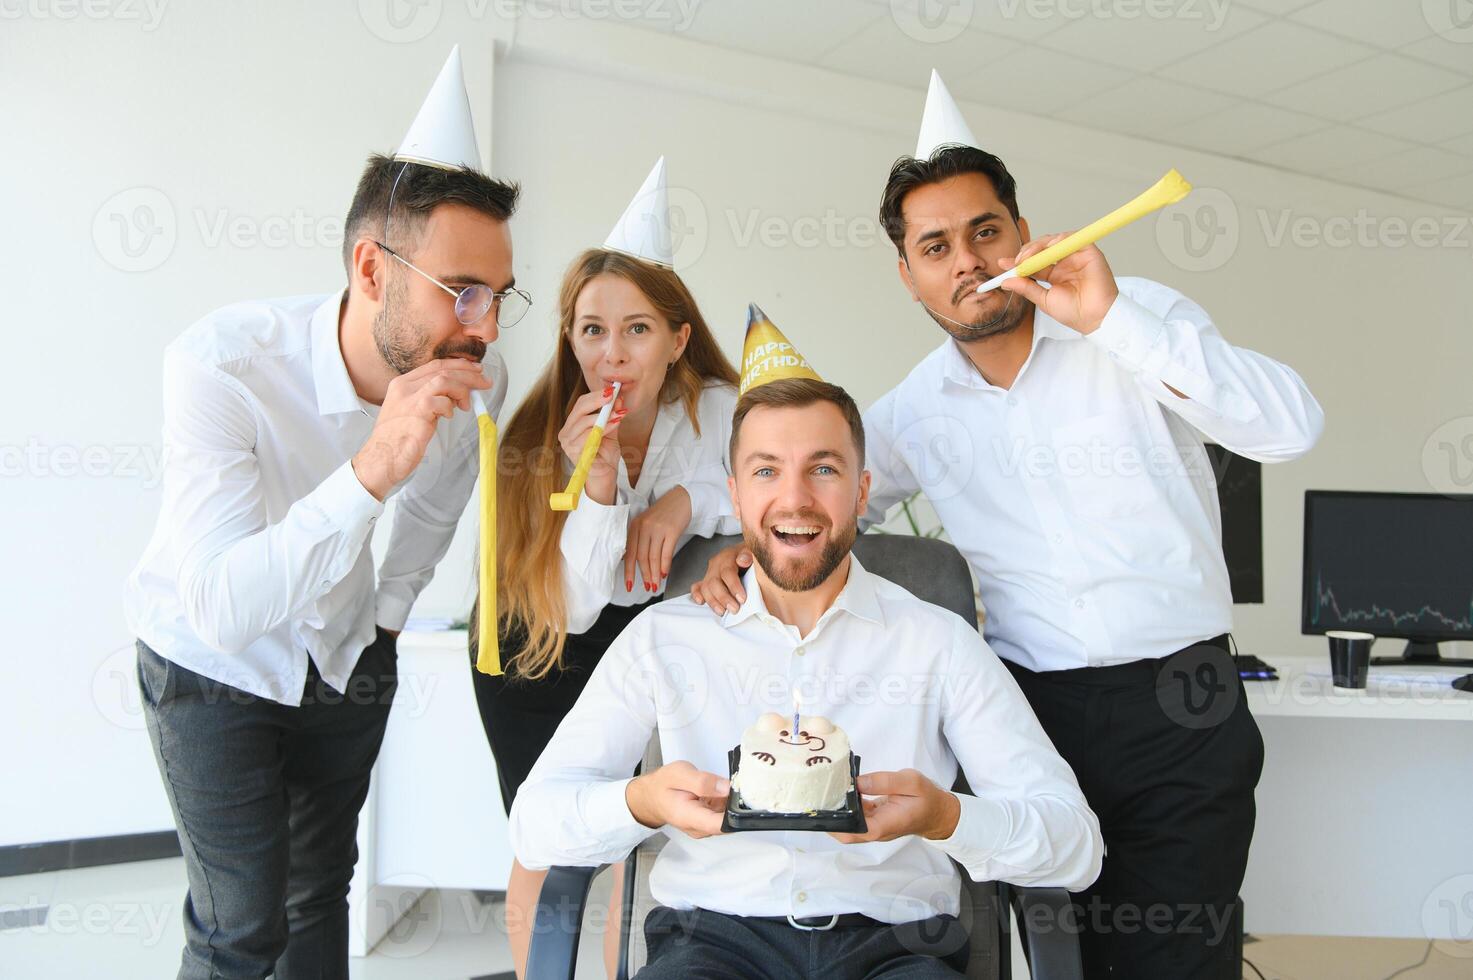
529, 466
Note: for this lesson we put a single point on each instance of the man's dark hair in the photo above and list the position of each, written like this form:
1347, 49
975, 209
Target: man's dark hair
947, 162
420, 190
797, 393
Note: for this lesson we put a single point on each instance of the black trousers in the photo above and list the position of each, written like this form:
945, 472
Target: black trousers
519, 715
266, 800
699, 945
1168, 755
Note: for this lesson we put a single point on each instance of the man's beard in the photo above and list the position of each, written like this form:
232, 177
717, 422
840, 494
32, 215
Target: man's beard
792, 577
1006, 320
404, 344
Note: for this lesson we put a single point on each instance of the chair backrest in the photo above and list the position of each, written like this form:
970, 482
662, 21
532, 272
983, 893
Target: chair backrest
929, 569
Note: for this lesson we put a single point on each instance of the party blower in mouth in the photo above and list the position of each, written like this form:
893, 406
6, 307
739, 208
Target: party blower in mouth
568, 499
1168, 190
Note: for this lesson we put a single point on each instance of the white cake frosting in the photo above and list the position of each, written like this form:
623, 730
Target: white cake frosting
786, 774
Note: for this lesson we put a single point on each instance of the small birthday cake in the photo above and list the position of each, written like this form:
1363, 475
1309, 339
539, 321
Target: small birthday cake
783, 771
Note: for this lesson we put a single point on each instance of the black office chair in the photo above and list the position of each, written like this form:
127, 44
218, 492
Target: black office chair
932, 570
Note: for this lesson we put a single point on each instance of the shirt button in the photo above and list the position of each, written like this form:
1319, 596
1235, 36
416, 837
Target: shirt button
1078, 603
799, 651
1058, 539
1013, 400
802, 896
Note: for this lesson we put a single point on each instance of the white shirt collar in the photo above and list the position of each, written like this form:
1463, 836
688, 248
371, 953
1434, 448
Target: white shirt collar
958, 368
335, 392
856, 598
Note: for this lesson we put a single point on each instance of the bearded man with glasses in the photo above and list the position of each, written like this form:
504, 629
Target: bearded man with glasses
266, 649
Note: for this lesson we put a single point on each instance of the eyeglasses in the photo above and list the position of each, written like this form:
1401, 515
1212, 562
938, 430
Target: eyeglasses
475, 301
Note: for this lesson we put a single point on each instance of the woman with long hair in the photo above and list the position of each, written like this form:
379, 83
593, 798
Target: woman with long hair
569, 582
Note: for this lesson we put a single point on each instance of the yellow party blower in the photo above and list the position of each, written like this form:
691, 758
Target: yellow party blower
568, 499
1168, 190
488, 655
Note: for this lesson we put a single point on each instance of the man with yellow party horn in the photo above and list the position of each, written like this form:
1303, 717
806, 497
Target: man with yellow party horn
1058, 432
266, 650
838, 898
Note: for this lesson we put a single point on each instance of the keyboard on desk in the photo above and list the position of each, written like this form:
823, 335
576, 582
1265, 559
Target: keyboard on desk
1251, 668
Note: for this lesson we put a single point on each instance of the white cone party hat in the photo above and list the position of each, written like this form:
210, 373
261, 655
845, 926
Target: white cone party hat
442, 134
942, 122
644, 229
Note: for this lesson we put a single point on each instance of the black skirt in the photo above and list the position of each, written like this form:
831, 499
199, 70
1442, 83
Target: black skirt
521, 715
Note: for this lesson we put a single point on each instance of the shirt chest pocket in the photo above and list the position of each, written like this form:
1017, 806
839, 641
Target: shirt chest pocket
1103, 466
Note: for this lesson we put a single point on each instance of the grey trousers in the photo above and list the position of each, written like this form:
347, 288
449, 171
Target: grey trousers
699, 945
266, 800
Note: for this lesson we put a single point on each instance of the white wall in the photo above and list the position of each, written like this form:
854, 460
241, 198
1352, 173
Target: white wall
264, 117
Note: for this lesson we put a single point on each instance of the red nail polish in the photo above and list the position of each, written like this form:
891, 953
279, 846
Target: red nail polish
607, 390
629, 585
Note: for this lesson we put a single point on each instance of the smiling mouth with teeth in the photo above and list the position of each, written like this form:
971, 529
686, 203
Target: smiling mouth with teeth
796, 533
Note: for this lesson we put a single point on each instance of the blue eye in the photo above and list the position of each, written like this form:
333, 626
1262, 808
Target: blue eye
590, 328
825, 467
763, 471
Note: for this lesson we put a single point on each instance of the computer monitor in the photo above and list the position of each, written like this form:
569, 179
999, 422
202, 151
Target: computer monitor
1392, 564
1240, 498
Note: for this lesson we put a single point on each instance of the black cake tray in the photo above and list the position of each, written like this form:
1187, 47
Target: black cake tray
849, 819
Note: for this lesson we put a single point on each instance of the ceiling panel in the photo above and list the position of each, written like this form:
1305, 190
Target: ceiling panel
1421, 165
1269, 58
1431, 120
1454, 192
1366, 88
1460, 144
883, 51
1007, 18
1243, 127
1456, 55
1279, 7
1330, 149
1145, 106
1382, 23
1146, 43
1303, 85
800, 32
1034, 80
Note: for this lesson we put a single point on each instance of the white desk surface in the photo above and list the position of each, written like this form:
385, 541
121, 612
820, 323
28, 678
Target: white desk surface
1303, 689
1399, 693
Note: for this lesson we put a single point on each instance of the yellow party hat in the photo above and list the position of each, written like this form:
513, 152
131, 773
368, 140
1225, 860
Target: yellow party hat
767, 355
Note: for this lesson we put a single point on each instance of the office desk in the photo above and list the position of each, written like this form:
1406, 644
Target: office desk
1365, 808
433, 818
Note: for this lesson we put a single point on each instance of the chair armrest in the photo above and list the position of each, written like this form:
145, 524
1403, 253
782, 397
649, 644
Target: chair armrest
557, 923
1051, 927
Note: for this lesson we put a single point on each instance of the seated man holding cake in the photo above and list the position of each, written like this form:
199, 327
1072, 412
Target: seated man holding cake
910, 688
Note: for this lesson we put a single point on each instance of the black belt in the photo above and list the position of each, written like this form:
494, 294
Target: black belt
1117, 675
822, 923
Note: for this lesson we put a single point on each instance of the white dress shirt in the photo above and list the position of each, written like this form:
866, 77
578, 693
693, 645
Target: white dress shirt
1082, 496
912, 684
261, 555
595, 534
